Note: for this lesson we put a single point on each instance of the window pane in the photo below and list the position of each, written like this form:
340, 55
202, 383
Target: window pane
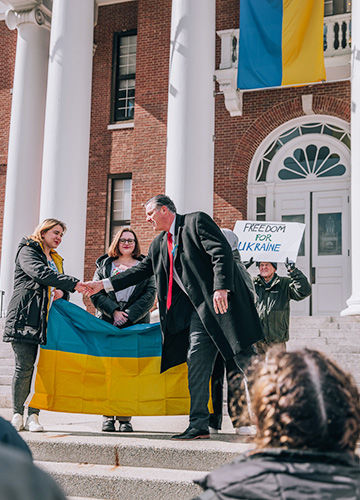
328, 7
121, 202
329, 234
260, 205
124, 93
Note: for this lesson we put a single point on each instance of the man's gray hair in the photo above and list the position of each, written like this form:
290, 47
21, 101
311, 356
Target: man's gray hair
161, 200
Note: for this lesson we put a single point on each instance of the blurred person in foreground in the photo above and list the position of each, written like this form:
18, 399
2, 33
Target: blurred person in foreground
10, 436
307, 416
20, 479
125, 307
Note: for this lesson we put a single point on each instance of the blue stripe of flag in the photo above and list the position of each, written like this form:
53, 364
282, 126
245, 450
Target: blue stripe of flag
260, 44
72, 329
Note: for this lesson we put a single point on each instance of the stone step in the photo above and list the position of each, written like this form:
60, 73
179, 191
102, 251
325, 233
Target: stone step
340, 335
117, 482
321, 321
7, 362
83, 498
5, 396
5, 380
7, 370
326, 345
135, 450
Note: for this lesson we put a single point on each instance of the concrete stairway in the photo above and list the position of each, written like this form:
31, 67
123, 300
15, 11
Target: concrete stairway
146, 464
130, 468
338, 337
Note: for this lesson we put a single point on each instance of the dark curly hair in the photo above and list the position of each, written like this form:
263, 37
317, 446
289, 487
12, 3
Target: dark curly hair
301, 400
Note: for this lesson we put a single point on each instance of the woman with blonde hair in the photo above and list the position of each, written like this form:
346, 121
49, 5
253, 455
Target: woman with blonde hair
38, 280
126, 307
307, 415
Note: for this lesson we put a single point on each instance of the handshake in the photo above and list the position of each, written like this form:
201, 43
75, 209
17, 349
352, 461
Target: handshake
89, 288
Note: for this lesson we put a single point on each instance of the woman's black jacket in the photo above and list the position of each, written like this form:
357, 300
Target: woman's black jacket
26, 319
285, 474
140, 301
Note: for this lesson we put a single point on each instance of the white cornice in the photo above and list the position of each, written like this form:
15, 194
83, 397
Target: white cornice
101, 3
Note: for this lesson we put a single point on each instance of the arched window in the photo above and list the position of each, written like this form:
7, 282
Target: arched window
309, 161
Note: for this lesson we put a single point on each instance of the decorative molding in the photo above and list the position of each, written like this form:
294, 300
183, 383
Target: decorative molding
111, 2
38, 16
118, 126
226, 79
307, 101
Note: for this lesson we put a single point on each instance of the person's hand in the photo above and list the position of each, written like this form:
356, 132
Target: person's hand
89, 288
58, 294
249, 263
290, 265
220, 301
120, 318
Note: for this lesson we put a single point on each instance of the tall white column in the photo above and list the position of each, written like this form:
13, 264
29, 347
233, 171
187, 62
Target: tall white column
354, 301
23, 178
67, 126
190, 123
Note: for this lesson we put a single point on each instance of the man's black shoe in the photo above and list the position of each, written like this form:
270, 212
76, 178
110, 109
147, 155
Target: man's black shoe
108, 425
125, 427
192, 433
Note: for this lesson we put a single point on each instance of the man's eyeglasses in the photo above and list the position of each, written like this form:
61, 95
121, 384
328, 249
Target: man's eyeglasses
124, 240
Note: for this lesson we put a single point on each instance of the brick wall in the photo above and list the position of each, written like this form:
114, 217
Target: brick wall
7, 64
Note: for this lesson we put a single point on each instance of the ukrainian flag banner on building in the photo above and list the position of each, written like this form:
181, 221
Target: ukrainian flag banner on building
90, 366
280, 43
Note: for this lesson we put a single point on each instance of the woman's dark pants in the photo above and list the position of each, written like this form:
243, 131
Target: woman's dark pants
25, 356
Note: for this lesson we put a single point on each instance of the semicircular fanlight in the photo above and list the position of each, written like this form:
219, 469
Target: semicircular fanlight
311, 162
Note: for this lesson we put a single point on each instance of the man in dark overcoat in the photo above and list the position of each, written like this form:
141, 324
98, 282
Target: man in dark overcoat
204, 304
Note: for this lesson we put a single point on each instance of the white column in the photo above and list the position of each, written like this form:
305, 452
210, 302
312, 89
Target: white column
23, 178
354, 301
67, 126
190, 122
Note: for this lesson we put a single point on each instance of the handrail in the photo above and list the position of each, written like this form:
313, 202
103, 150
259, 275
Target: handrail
2, 293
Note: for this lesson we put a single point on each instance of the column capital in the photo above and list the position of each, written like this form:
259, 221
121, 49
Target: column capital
37, 16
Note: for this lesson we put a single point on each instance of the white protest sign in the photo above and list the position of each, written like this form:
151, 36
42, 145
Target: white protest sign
268, 241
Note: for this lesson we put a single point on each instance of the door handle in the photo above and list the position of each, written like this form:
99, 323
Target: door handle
313, 275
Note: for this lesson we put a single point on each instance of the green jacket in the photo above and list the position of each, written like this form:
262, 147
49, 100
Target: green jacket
273, 303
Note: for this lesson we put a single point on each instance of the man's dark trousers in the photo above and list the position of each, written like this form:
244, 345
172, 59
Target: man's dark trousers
201, 358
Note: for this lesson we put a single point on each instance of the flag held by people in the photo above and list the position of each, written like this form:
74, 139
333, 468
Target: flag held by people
280, 43
90, 366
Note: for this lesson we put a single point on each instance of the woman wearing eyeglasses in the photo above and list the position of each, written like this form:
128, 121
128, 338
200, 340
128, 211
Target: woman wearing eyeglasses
126, 307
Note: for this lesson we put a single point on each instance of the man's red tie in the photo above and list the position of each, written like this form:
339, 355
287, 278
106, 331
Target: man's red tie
171, 271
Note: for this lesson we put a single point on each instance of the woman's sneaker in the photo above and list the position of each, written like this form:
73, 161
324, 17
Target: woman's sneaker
33, 424
18, 421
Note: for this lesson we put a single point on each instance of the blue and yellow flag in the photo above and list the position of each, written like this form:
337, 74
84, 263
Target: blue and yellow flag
280, 43
90, 366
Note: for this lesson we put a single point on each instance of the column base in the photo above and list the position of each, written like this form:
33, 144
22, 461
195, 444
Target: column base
353, 307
